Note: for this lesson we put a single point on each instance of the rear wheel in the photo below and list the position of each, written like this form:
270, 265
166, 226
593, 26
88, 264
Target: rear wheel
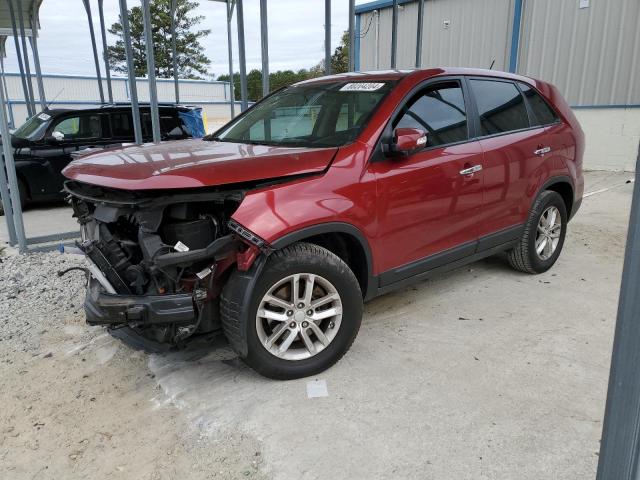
543, 237
305, 312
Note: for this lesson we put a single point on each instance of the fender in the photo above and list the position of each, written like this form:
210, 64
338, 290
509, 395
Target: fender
334, 227
561, 179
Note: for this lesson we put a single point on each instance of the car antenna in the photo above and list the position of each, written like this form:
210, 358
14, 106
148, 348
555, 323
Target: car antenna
54, 99
492, 64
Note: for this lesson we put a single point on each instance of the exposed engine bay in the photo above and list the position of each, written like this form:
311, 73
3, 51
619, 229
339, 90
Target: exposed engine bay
158, 261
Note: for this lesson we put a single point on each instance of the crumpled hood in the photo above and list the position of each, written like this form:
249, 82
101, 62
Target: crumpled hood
194, 163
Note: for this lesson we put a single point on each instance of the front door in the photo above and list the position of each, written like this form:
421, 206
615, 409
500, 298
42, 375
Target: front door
429, 202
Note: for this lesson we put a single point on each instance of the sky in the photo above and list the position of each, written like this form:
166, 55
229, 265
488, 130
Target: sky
296, 34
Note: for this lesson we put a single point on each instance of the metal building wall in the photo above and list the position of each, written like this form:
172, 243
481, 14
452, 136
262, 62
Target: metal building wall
591, 54
478, 32
74, 91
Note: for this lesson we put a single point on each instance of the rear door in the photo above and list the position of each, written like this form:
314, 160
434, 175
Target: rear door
427, 204
514, 151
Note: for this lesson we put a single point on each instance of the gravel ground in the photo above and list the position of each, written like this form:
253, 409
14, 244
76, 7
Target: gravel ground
483, 373
77, 403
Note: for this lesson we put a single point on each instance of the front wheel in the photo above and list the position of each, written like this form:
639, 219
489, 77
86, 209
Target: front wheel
305, 312
543, 236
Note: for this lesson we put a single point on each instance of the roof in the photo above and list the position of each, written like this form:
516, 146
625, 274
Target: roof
382, 75
377, 4
29, 8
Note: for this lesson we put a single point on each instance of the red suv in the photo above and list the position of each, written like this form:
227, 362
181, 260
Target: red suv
324, 194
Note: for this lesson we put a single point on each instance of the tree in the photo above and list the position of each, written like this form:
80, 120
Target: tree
192, 63
284, 78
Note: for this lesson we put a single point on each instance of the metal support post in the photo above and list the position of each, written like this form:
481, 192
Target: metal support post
36, 57
619, 457
105, 51
87, 7
394, 34
131, 73
232, 95
151, 72
352, 35
4, 184
27, 66
15, 209
327, 37
264, 43
419, 35
16, 40
242, 57
174, 50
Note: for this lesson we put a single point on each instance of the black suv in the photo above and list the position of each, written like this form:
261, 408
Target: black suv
45, 143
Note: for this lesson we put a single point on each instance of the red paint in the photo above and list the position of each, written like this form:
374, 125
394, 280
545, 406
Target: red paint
406, 207
194, 163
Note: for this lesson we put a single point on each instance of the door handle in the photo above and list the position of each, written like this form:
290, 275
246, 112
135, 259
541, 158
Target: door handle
471, 170
541, 151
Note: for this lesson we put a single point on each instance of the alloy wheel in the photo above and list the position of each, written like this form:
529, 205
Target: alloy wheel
299, 316
548, 233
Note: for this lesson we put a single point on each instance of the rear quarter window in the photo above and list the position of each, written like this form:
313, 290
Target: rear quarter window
542, 112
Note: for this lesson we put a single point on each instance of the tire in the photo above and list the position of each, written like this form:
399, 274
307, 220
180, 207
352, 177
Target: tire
23, 196
525, 256
301, 264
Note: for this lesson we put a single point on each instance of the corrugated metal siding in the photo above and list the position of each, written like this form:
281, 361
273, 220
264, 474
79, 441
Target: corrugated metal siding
478, 33
82, 92
590, 54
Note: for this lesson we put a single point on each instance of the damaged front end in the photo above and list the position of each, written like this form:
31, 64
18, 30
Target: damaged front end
157, 261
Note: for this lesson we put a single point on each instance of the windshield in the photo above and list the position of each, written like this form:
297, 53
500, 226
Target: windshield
316, 115
33, 128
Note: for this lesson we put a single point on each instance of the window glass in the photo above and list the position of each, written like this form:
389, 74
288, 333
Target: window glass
322, 115
500, 105
439, 111
81, 126
121, 125
171, 126
544, 114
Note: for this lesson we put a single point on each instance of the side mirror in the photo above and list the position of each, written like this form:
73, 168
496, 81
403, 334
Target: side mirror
408, 140
57, 136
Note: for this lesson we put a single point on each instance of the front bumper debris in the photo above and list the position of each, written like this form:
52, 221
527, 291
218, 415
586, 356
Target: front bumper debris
104, 308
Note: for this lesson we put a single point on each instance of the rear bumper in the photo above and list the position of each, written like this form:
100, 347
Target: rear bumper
103, 308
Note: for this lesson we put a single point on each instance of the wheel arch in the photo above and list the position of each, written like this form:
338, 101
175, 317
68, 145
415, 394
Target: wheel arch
344, 240
562, 185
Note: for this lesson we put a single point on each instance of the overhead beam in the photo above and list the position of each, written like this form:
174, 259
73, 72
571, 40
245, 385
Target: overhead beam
16, 40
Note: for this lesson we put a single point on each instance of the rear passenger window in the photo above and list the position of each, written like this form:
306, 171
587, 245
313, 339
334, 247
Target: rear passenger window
500, 106
543, 113
438, 110
121, 125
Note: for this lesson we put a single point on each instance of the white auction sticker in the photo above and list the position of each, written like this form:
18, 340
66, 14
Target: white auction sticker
180, 247
44, 117
362, 87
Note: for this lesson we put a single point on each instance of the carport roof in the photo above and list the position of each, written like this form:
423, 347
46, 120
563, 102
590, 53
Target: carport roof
28, 7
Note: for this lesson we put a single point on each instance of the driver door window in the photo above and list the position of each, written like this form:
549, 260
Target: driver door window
438, 110
80, 127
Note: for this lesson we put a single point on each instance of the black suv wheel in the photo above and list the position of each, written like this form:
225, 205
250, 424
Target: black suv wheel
303, 314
